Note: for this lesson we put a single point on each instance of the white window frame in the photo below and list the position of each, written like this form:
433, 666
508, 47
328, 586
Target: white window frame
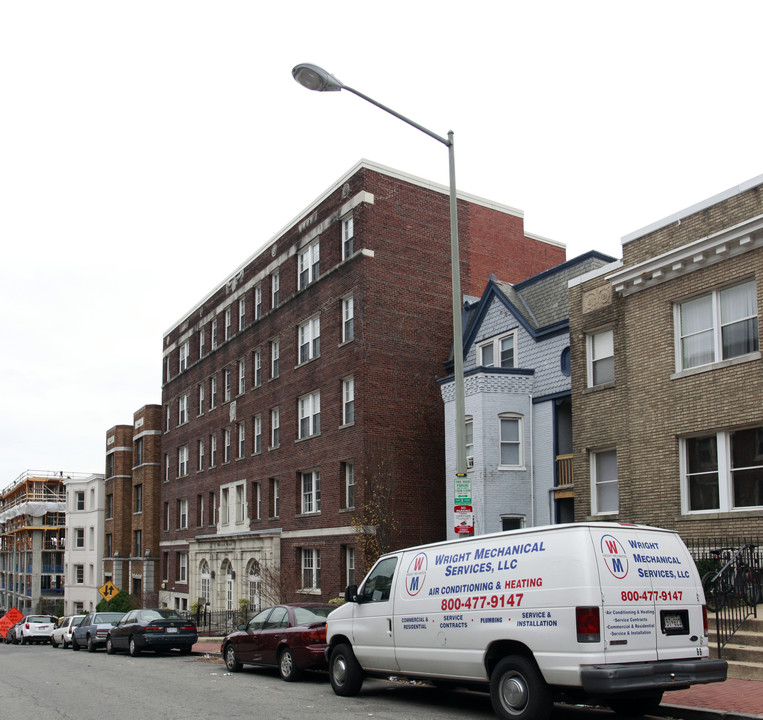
276, 489
257, 500
469, 441
348, 236
308, 265
201, 398
311, 569
494, 345
715, 325
241, 440
600, 347
309, 412
183, 461
242, 313
200, 455
228, 323
202, 342
79, 538
348, 401
349, 564
241, 376
257, 434
275, 288
183, 567
348, 318
213, 392
258, 301
275, 358
183, 409
226, 445
309, 340
724, 471
184, 354
213, 450
183, 514
310, 492
226, 385
349, 485
519, 442
257, 369
598, 482
275, 427
214, 333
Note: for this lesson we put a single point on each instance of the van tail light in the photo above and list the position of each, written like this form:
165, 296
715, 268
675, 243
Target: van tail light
704, 619
588, 624
315, 635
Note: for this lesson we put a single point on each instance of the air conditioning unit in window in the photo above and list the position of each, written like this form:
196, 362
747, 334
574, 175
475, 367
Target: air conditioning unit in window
470, 462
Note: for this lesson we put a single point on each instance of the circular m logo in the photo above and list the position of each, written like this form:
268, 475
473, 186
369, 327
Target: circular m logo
416, 574
614, 556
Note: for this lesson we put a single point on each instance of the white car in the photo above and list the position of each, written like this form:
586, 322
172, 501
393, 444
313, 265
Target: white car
36, 628
62, 633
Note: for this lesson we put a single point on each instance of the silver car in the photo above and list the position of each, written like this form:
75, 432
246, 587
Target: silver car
62, 633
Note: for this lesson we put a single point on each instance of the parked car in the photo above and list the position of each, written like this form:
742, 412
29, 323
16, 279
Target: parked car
62, 633
290, 637
11, 638
152, 629
36, 628
94, 629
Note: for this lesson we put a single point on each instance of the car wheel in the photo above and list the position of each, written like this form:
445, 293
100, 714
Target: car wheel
110, 649
287, 666
231, 659
636, 706
345, 672
75, 644
64, 644
186, 649
53, 642
133, 649
91, 646
518, 690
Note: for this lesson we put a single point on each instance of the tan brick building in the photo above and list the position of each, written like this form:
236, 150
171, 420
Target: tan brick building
667, 379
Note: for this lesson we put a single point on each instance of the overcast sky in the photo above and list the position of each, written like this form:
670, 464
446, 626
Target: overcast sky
148, 148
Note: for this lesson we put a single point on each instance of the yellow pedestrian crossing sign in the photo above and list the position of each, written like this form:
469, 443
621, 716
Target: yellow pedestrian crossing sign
108, 590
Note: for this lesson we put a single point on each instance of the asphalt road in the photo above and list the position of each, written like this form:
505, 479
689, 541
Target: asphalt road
43, 683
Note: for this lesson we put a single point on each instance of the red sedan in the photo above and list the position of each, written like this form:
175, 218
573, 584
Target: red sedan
290, 637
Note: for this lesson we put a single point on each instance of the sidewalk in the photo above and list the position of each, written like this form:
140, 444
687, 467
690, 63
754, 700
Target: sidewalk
737, 699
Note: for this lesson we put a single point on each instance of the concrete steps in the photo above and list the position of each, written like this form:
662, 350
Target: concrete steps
744, 652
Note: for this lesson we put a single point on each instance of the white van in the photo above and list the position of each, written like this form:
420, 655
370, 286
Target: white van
602, 612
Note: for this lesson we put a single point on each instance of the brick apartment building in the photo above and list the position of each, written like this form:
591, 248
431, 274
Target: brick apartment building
303, 427
667, 376
132, 505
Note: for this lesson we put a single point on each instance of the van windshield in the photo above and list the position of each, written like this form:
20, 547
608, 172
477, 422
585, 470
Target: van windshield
379, 582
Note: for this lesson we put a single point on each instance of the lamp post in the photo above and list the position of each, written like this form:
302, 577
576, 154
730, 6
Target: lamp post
315, 78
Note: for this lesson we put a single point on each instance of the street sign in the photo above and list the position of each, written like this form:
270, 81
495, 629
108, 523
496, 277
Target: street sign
464, 519
462, 491
108, 590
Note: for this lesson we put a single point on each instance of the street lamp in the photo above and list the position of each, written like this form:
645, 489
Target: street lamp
315, 78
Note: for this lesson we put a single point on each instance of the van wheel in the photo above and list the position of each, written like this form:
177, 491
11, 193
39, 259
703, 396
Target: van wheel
636, 706
518, 690
345, 672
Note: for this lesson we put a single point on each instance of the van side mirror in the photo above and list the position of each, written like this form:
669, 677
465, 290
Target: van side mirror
351, 593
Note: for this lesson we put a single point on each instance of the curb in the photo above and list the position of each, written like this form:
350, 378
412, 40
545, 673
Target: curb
694, 713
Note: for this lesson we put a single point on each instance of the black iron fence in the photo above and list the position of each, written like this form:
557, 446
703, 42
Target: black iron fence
730, 568
218, 622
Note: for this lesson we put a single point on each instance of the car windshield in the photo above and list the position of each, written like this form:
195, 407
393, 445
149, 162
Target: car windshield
305, 616
163, 613
107, 617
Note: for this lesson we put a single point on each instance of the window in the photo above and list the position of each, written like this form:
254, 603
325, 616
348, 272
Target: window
308, 265
348, 319
167, 418
275, 428
225, 506
311, 491
79, 500
310, 414
212, 508
349, 485
110, 465
275, 356
348, 237
109, 549
213, 392
349, 561
258, 302
257, 366
510, 439
257, 430
309, 339
79, 574
226, 385
600, 348
166, 467
226, 445
498, 352
185, 351
241, 377
241, 440
348, 401
199, 510
227, 323
183, 514
257, 501
718, 326
242, 313
202, 340
138, 498
183, 409
138, 542
212, 450
182, 567
183, 461
214, 334
139, 452
200, 455
275, 288
723, 471
79, 538
469, 441
166, 516
275, 494
604, 493
377, 586
311, 569
109, 506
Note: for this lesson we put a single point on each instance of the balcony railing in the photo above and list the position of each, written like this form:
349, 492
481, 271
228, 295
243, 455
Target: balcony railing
564, 484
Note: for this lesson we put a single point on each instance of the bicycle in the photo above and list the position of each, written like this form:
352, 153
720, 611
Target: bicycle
734, 579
